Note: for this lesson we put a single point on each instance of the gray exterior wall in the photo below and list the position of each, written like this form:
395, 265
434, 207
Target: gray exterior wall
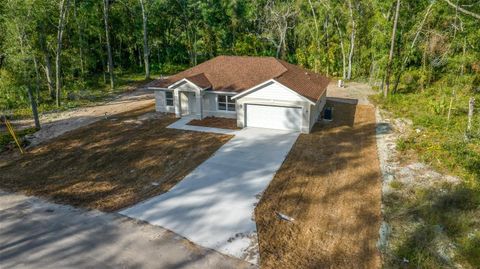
317, 109
160, 103
209, 104
210, 107
263, 96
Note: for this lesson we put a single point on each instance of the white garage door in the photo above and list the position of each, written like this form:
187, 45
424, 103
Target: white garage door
274, 117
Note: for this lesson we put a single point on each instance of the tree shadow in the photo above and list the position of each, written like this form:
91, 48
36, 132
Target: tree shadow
436, 227
109, 164
330, 184
36, 234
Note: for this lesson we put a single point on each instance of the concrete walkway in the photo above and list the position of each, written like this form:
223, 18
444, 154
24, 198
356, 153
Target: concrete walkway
38, 234
182, 125
214, 205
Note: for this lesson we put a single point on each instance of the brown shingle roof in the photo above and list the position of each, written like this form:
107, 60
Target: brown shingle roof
304, 82
239, 73
200, 80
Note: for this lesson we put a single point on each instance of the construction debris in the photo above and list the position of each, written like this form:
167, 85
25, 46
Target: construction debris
284, 217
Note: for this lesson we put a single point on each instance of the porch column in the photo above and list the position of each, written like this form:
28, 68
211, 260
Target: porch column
177, 104
198, 97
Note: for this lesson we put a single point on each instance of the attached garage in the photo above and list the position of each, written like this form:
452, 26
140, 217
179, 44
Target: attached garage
273, 117
273, 105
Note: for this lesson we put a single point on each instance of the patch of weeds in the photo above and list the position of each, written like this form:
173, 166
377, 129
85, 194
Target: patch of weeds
405, 143
435, 227
470, 158
6, 139
415, 248
395, 184
470, 248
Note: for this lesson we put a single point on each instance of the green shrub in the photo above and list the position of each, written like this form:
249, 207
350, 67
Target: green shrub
396, 184
475, 86
470, 247
411, 81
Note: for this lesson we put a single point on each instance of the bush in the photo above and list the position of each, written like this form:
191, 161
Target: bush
411, 81
475, 87
11, 95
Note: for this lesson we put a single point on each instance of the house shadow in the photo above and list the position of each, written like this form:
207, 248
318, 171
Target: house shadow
343, 113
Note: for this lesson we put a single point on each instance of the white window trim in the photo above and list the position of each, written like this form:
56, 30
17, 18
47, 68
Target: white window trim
226, 104
166, 99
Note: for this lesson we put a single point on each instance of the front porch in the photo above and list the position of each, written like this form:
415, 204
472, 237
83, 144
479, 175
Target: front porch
188, 103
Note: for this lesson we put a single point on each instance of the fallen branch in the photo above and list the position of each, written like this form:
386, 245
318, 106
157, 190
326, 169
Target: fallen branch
475, 15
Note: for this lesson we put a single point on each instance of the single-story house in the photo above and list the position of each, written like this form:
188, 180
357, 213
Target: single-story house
256, 91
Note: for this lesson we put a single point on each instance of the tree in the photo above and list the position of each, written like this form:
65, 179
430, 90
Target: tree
352, 40
412, 46
146, 50
342, 49
48, 65
106, 10
64, 4
316, 36
33, 105
23, 59
80, 37
276, 23
390, 56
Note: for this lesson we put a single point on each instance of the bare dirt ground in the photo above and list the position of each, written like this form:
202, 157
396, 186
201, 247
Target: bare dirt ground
55, 124
109, 164
353, 92
214, 122
330, 184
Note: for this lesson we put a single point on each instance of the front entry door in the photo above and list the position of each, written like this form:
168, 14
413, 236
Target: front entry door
192, 103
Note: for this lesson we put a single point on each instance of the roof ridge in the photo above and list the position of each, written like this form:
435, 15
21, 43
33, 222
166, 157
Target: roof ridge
286, 68
198, 74
308, 72
245, 56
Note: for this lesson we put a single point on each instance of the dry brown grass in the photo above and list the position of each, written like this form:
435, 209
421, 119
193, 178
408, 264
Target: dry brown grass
216, 122
110, 164
330, 184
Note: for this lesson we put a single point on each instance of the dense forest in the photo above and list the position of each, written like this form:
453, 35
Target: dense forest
423, 57
63, 49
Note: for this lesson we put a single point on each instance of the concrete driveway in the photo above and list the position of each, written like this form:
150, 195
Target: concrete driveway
214, 205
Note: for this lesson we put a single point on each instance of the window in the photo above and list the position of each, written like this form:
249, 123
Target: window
226, 103
169, 98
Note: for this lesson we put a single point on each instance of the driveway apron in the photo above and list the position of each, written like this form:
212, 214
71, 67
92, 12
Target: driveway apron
214, 205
